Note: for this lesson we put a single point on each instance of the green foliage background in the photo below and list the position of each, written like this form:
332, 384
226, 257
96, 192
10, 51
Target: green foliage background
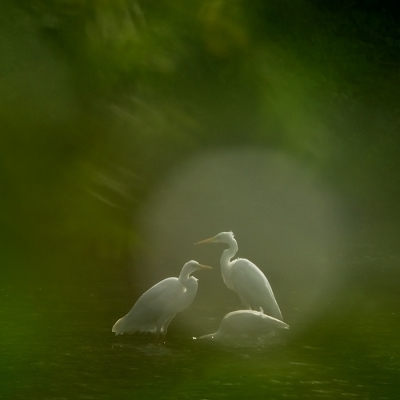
101, 98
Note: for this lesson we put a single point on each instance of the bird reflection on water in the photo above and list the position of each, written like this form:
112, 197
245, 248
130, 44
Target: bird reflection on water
179, 345
145, 347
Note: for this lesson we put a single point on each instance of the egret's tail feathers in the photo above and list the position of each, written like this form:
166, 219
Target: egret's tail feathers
124, 325
117, 327
273, 311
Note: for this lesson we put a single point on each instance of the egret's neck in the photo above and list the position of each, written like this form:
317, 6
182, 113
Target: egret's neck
228, 254
185, 274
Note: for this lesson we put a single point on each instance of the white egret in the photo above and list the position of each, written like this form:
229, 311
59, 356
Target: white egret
245, 278
156, 308
245, 324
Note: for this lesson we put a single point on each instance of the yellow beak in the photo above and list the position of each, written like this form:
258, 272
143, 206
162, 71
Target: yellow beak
210, 240
205, 266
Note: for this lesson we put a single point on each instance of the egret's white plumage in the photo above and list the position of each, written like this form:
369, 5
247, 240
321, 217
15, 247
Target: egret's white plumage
245, 278
156, 308
245, 324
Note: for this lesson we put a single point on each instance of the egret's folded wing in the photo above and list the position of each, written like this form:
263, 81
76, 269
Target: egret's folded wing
252, 284
153, 304
161, 294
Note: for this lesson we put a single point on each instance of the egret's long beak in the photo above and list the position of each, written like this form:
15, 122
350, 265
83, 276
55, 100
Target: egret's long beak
205, 266
210, 240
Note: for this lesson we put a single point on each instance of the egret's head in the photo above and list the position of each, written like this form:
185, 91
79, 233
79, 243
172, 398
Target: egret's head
223, 237
192, 266
196, 265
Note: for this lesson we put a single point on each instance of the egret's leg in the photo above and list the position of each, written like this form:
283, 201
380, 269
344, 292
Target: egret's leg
160, 335
160, 338
245, 303
165, 326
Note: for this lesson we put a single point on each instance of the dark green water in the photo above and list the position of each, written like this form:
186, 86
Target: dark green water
57, 344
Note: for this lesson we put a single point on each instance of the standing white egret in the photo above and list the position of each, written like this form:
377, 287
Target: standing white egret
245, 278
245, 324
156, 308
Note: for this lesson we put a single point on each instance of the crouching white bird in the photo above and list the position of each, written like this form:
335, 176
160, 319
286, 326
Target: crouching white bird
156, 308
245, 324
245, 278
